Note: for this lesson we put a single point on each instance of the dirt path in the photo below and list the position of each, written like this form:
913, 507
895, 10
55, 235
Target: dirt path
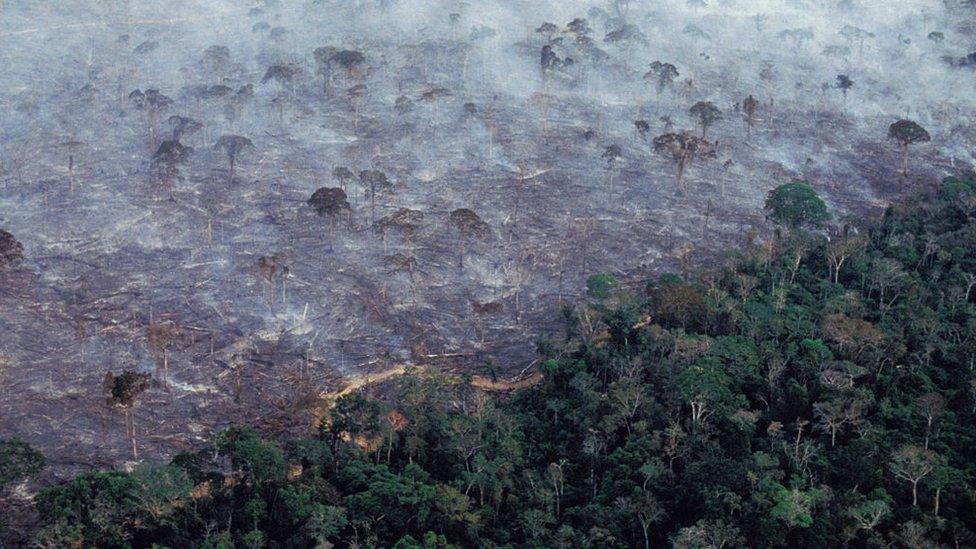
480, 382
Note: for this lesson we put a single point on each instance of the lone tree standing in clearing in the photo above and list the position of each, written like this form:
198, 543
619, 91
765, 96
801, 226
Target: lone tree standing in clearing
468, 226
161, 336
330, 202
662, 74
153, 103
611, 155
11, 251
642, 128
343, 175
168, 157
683, 148
749, 107
233, 145
268, 267
844, 84
374, 182
123, 390
707, 114
907, 132
796, 204
183, 126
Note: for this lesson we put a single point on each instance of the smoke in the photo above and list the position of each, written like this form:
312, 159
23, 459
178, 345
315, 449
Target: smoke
453, 105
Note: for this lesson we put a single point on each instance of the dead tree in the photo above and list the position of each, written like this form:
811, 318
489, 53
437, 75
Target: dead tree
357, 94
162, 335
268, 267
683, 148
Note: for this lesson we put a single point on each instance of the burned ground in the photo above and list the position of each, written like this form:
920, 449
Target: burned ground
112, 248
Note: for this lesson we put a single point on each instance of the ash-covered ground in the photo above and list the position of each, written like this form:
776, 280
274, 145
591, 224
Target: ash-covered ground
245, 303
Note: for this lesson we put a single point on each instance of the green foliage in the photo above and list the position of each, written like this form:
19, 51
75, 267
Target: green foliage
796, 204
794, 506
954, 188
92, 507
258, 460
600, 285
18, 460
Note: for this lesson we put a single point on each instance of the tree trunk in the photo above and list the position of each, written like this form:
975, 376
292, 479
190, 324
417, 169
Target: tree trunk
131, 428
681, 172
372, 206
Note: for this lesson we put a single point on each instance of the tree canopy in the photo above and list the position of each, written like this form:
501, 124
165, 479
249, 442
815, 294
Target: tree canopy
796, 204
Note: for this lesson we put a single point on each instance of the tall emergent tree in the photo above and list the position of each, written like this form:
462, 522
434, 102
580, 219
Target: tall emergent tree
844, 84
749, 107
168, 158
707, 114
374, 182
611, 155
330, 202
906, 133
683, 148
123, 390
153, 103
662, 74
468, 226
233, 146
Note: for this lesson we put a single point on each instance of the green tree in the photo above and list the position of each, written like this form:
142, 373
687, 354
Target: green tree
18, 460
796, 204
600, 285
260, 461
